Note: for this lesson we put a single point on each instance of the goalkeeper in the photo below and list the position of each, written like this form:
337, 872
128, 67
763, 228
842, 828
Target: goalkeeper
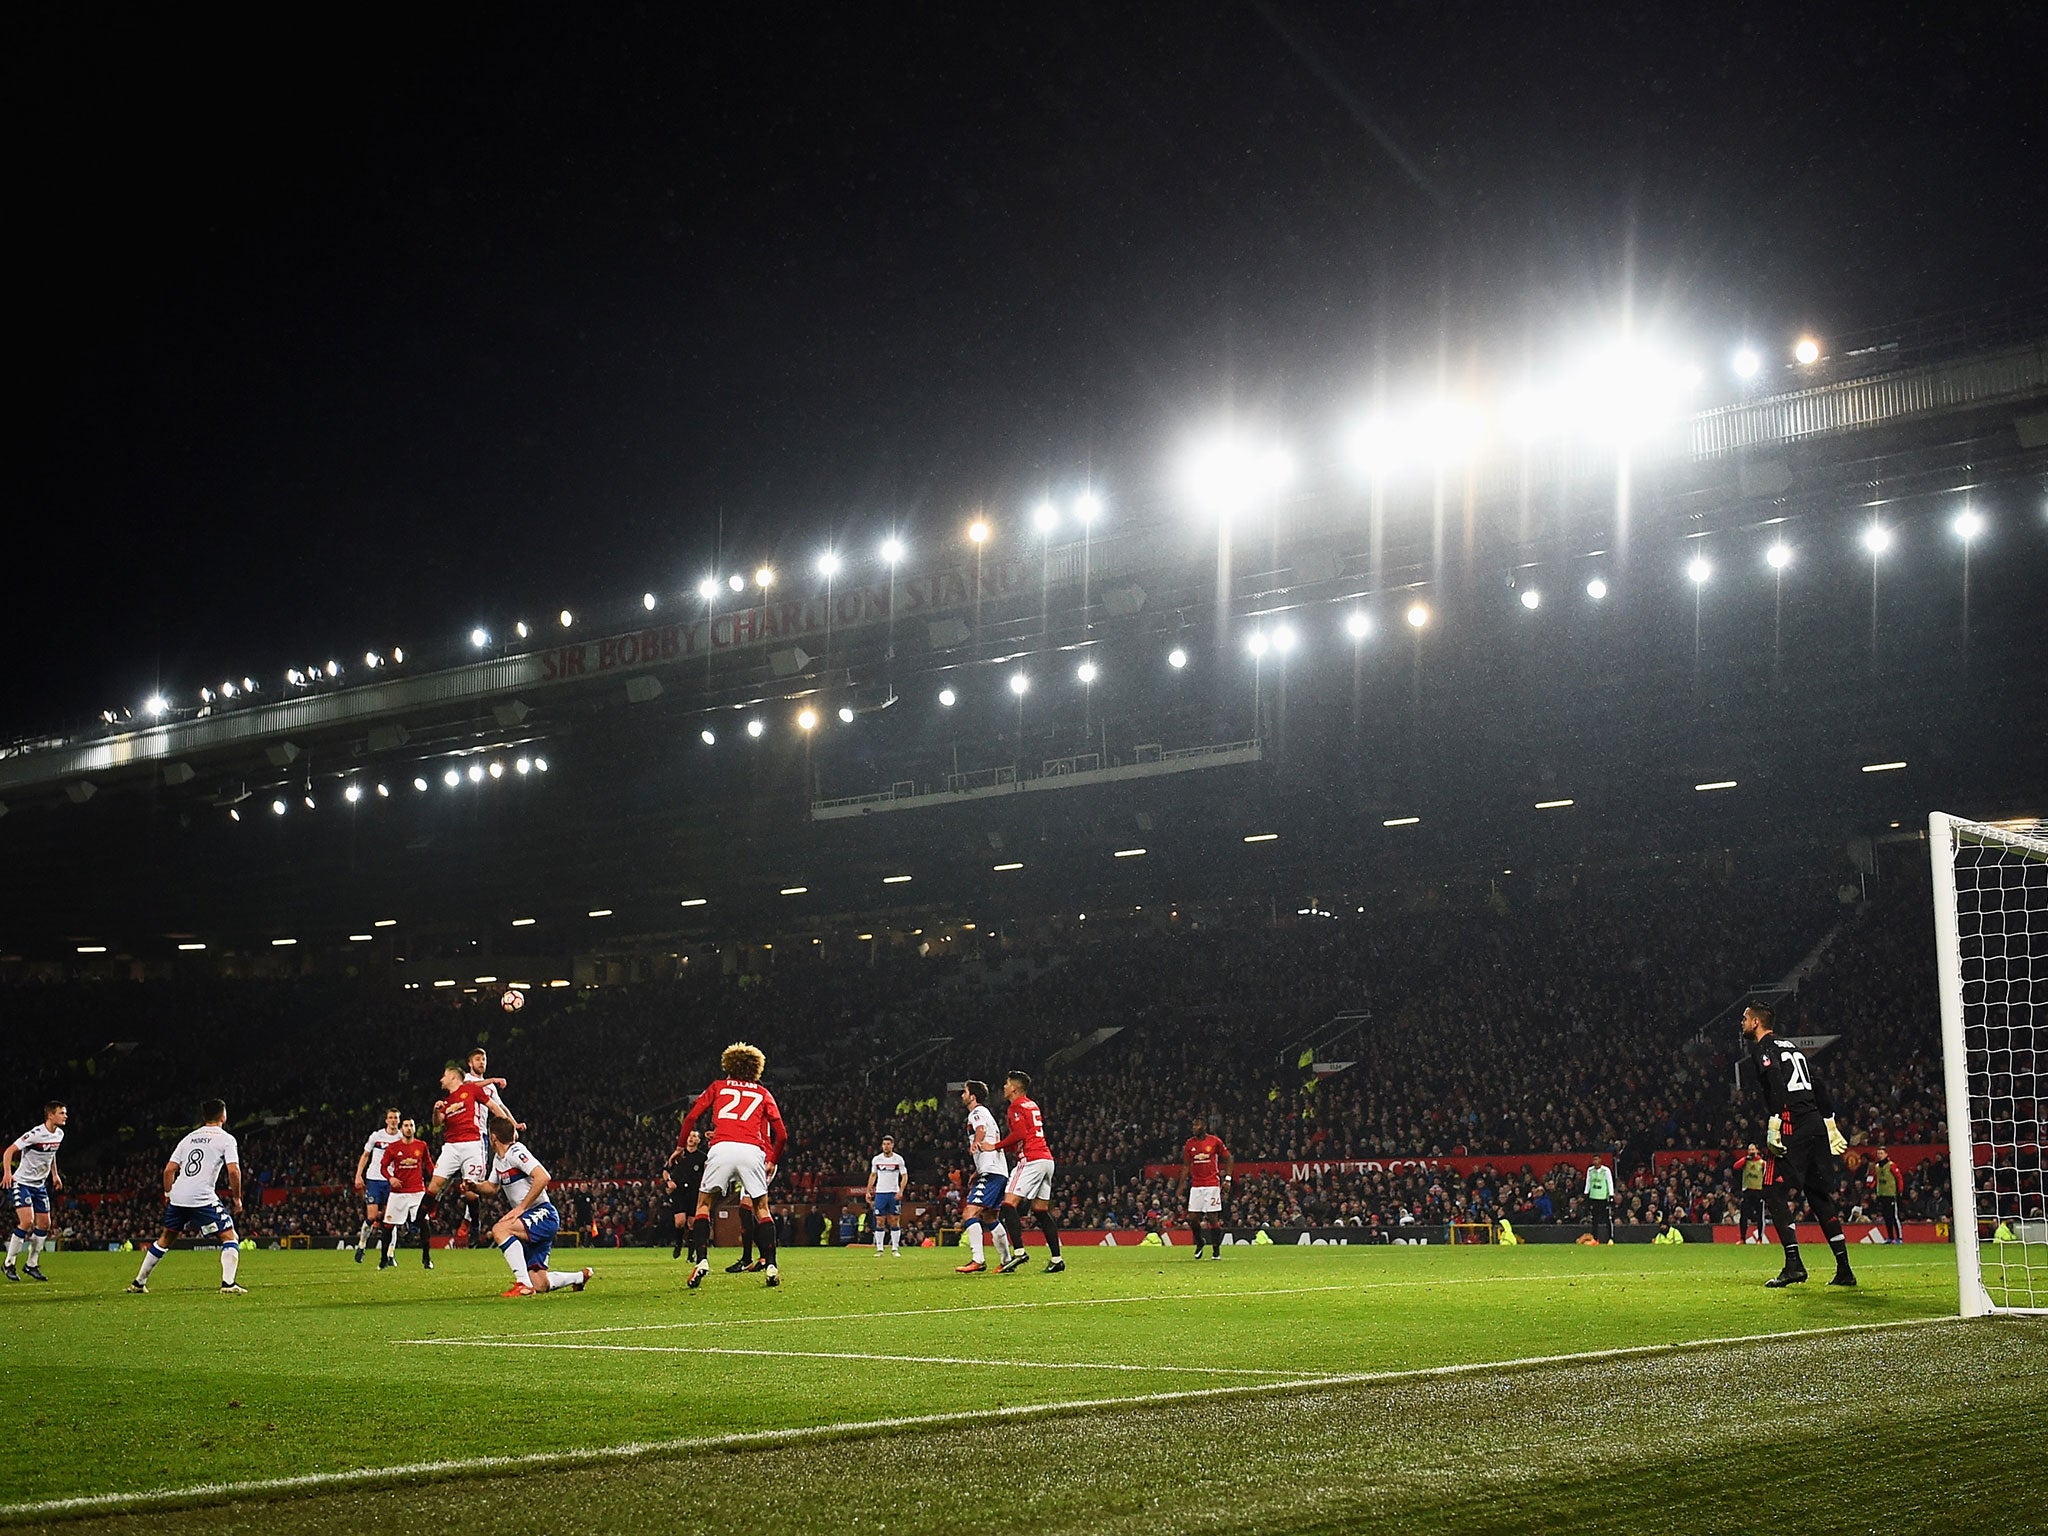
1803, 1141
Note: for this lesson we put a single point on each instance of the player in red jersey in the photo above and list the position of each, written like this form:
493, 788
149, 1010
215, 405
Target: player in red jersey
747, 1138
1030, 1179
459, 1117
1204, 1176
403, 1165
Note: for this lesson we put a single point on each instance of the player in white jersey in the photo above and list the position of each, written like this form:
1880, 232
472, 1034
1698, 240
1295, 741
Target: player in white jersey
991, 1177
373, 1188
525, 1234
31, 1183
192, 1203
888, 1176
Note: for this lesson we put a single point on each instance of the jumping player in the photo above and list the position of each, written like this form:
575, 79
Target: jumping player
888, 1176
404, 1165
991, 1175
369, 1185
459, 1117
32, 1183
1204, 1174
747, 1138
525, 1234
192, 1203
1804, 1143
1031, 1179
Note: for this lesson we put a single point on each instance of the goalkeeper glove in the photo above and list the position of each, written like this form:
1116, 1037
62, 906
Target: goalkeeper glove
1773, 1137
1837, 1142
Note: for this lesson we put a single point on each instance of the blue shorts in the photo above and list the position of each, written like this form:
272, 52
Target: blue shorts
542, 1221
888, 1205
377, 1192
198, 1220
987, 1190
33, 1196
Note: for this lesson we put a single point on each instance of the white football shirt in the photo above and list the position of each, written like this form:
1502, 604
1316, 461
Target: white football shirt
200, 1158
38, 1148
512, 1171
979, 1120
379, 1140
889, 1169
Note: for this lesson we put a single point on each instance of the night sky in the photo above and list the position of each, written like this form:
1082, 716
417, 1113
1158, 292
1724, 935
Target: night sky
351, 334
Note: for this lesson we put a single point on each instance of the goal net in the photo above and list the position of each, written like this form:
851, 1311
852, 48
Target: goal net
1991, 955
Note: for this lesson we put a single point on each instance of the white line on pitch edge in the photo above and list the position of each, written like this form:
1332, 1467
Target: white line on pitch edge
834, 1354
767, 1439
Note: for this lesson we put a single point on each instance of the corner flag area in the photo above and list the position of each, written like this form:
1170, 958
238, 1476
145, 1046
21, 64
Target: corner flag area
1284, 1389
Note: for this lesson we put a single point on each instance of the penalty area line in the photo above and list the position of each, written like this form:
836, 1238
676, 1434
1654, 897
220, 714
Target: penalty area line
832, 1354
773, 1439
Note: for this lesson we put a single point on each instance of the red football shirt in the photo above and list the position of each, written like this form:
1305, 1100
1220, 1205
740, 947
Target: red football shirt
1203, 1157
463, 1112
405, 1164
740, 1111
1027, 1133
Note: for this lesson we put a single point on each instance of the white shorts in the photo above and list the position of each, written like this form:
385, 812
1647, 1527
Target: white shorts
1204, 1198
1031, 1181
400, 1209
460, 1160
741, 1160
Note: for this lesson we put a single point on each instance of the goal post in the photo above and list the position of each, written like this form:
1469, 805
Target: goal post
1991, 965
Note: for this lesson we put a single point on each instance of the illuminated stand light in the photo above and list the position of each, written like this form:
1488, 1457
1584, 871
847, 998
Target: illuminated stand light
1746, 363
599, 912
828, 565
708, 588
1006, 869
1358, 624
1257, 643
1806, 351
1877, 539
793, 890
694, 901
1128, 853
1019, 684
1968, 524
497, 770
1596, 589
764, 577
1401, 821
647, 601
948, 698
418, 782
892, 550
895, 879
92, 949
807, 720
452, 777
1418, 616
1713, 785
1697, 570
755, 728
1177, 658
479, 637
523, 766
1883, 767
1553, 805
979, 530
1086, 672
353, 793
1262, 837
736, 582
385, 922
383, 791
846, 714
708, 736
310, 805
1284, 638
524, 922
1230, 475
476, 773
362, 938
156, 706
1778, 556
190, 948
1045, 518
1087, 508
540, 765
521, 630
282, 943
1531, 599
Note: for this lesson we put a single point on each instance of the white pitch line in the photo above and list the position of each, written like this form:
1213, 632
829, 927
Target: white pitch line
769, 1439
1016, 1306
831, 1354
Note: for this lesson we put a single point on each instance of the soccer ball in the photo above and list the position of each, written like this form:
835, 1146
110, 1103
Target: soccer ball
513, 1000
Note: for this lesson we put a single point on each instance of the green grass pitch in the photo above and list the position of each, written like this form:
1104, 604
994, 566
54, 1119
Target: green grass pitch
1283, 1389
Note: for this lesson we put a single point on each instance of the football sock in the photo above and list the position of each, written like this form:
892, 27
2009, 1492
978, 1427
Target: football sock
974, 1240
746, 1236
1013, 1224
682, 1231
1001, 1234
515, 1255
390, 1244
764, 1239
151, 1257
426, 1243
362, 1234
1051, 1229
700, 1238
230, 1261
562, 1279
881, 1239
35, 1248
14, 1241
896, 1237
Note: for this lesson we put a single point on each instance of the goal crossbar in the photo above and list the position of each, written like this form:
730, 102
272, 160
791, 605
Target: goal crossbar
1991, 960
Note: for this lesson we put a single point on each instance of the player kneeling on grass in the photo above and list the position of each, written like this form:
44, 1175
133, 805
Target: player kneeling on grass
192, 1204
747, 1138
525, 1234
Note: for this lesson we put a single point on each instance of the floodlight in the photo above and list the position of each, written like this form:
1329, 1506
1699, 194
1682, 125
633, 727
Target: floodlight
540, 765
1229, 476
708, 588
647, 601
418, 782
523, 766
1358, 624
764, 577
476, 773
807, 719
1087, 507
1969, 523
277, 807
846, 714
1596, 589
156, 705
1531, 599
566, 617
1284, 638
497, 770
479, 637
828, 565
383, 791
309, 803
1418, 615
1046, 517
452, 777
1807, 352
948, 697
398, 654
521, 630
1697, 570
978, 530
754, 728
736, 582
353, 793
294, 676
227, 690
1747, 363
1258, 643
1176, 658
1019, 683
1779, 555
248, 685
372, 659
1086, 672
334, 669
892, 549
1877, 538
708, 736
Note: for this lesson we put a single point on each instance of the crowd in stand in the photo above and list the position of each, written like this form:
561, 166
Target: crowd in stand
1563, 1016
